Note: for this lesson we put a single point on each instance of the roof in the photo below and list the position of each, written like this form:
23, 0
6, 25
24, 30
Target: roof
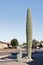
3, 42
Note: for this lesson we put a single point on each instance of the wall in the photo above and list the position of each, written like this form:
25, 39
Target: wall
3, 46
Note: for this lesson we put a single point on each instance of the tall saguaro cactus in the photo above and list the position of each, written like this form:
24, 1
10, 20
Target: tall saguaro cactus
29, 33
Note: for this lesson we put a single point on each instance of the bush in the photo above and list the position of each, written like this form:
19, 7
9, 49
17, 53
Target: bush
14, 43
35, 43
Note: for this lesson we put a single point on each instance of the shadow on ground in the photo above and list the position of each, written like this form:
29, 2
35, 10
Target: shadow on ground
14, 56
36, 56
36, 61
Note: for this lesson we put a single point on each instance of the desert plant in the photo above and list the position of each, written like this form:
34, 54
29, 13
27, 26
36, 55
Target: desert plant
24, 43
29, 33
41, 43
14, 43
35, 43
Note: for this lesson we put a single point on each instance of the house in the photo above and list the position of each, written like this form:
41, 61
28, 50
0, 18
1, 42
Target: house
3, 45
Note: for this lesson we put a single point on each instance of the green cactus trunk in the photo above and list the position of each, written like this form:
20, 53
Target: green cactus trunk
29, 33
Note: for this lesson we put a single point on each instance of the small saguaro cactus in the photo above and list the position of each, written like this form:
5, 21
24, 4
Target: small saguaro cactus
19, 56
29, 33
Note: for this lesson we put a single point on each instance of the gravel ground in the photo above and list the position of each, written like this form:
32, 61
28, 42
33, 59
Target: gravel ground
36, 61
37, 57
13, 63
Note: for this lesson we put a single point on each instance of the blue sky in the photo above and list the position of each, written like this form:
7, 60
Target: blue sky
13, 19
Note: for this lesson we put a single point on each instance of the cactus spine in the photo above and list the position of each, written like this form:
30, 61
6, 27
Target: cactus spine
29, 33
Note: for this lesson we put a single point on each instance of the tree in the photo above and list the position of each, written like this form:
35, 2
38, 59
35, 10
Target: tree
14, 43
35, 43
41, 43
24, 43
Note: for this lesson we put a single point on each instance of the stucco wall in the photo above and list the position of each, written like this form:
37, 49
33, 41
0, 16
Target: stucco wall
3, 46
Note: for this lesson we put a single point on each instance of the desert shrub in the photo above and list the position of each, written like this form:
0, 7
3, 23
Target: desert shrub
14, 43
